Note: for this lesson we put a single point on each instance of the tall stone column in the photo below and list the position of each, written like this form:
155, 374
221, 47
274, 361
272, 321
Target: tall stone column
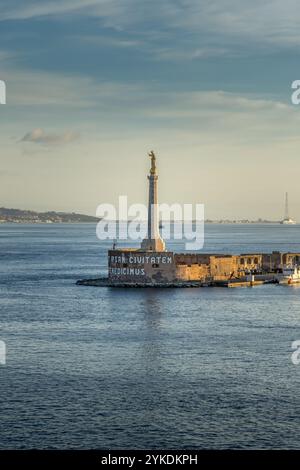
153, 242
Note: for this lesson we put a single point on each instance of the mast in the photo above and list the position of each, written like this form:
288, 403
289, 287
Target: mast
286, 211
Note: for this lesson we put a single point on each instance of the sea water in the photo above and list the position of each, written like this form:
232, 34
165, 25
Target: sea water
90, 367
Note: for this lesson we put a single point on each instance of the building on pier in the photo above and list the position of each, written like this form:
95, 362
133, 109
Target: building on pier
152, 264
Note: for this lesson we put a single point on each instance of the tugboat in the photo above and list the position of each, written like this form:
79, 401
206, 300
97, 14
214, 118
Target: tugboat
289, 275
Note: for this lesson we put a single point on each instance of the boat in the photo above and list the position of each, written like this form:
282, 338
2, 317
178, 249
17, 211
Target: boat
289, 275
288, 222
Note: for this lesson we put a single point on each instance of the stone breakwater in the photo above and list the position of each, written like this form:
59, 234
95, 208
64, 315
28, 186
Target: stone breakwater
133, 266
243, 282
106, 282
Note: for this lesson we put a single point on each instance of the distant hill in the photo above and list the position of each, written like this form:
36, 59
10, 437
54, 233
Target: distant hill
24, 216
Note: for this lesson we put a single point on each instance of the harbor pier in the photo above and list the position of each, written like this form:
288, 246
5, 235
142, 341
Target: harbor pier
152, 265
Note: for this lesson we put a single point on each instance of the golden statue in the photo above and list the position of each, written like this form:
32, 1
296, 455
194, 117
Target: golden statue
153, 162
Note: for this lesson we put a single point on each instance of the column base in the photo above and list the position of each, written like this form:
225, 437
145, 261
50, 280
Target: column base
154, 244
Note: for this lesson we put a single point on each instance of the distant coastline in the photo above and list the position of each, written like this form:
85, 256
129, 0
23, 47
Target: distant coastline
50, 217
53, 217
243, 221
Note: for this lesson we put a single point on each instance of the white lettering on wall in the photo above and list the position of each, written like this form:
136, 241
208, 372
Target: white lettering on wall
124, 264
123, 259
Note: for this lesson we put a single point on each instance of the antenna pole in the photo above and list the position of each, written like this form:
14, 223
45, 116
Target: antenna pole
286, 215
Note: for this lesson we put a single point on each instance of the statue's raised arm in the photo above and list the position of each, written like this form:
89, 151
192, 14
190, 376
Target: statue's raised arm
153, 162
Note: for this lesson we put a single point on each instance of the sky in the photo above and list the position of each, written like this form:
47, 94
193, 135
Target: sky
93, 85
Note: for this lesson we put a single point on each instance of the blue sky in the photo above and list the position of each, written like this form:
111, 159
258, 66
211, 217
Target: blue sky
92, 85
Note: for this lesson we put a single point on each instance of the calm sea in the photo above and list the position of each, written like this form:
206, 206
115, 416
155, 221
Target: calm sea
143, 368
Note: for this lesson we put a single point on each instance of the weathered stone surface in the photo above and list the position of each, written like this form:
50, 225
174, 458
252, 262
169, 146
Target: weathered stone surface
141, 266
144, 267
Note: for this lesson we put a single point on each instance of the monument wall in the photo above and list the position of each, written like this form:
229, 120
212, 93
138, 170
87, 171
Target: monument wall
141, 266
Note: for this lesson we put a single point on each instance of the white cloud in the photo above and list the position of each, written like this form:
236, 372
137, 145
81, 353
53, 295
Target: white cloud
37, 88
185, 119
109, 41
273, 21
20, 10
196, 27
39, 136
119, 107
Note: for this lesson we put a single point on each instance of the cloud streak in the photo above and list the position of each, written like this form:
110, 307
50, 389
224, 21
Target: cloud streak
202, 27
39, 136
